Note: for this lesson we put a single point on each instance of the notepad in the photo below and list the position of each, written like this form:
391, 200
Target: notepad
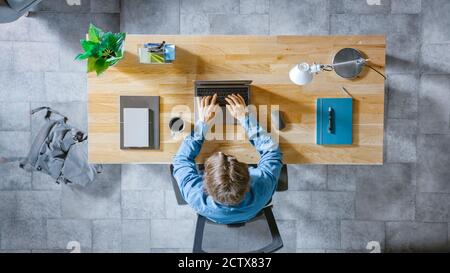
334, 121
136, 127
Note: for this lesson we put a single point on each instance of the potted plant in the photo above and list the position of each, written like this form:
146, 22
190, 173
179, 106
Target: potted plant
102, 49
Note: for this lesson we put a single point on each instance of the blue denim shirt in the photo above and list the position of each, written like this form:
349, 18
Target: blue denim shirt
263, 178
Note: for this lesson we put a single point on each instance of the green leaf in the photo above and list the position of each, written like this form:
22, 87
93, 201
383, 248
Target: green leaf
83, 56
100, 66
87, 45
91, 64
95, 34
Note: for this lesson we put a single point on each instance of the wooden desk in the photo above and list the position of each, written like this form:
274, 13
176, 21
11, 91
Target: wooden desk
264, 59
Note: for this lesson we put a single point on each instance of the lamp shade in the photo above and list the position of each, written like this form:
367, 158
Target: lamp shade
302, 73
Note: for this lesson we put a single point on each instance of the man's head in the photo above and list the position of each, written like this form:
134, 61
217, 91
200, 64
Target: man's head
226, 179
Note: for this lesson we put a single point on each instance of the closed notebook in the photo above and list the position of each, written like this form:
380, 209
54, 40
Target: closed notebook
334, 121
139, 122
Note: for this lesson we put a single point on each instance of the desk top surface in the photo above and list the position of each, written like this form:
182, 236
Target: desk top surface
266, 60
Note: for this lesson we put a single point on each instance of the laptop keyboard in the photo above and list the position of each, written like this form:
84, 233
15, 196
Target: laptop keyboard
222, 93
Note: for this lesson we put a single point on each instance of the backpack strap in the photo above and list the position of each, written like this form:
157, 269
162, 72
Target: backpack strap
49, 112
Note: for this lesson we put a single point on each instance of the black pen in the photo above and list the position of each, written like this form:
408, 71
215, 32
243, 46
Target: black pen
330, 120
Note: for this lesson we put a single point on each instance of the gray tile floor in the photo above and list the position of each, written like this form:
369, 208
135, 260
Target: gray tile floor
403, 204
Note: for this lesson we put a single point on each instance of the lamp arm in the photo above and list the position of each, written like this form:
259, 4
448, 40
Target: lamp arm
360, 60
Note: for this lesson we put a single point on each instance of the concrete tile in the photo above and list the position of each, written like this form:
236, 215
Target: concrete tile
17, 148
76, 112
434, 110
150, 17
14, 178
61, 232
374, 24
406, 6
433, 207
23, 234
175, 211
107, 236
51, 251
194, 23
310, 250
15, 31
30, 86
323, 234
8, 85
403, 50
432, 163
15, 116
65, 87
172, 233
8, 206
416, 237
209, 7
342, 178
401, 136
6, 58
38, 204
403, 96
146, 177
385, 200
248, 24
15, 251
254, 6
308, 17
307, 177
356, 234
100, 200
107, 22
105, 6
35, 56
136, 236
64, 6
142, 204
333, 205
288, 232
435, 21
42, 181
73, 29
43, 27
359, 7
291, 205
434, 59
21, 87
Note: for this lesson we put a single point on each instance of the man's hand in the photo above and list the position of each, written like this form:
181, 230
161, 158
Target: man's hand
207, 108
236, 106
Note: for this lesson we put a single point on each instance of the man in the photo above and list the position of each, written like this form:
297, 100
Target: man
228, 191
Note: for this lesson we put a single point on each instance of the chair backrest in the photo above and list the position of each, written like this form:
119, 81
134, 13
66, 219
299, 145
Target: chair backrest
259, 235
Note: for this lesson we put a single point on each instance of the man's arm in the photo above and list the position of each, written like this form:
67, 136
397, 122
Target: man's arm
184, 167
270, 161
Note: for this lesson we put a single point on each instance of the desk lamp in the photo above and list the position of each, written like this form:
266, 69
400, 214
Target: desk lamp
347, 63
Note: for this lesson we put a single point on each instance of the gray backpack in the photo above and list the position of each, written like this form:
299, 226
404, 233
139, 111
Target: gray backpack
60, 151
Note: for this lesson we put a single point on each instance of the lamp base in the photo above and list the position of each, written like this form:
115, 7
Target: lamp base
348, 63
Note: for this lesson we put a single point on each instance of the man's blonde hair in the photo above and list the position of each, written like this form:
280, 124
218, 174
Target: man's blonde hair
226, 179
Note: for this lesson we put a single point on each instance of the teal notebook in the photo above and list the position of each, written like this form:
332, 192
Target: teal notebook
334, 121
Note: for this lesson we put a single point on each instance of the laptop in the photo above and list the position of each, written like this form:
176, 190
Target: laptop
222, 89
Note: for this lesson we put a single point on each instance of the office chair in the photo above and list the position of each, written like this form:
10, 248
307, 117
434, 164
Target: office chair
263, 226
11, 10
